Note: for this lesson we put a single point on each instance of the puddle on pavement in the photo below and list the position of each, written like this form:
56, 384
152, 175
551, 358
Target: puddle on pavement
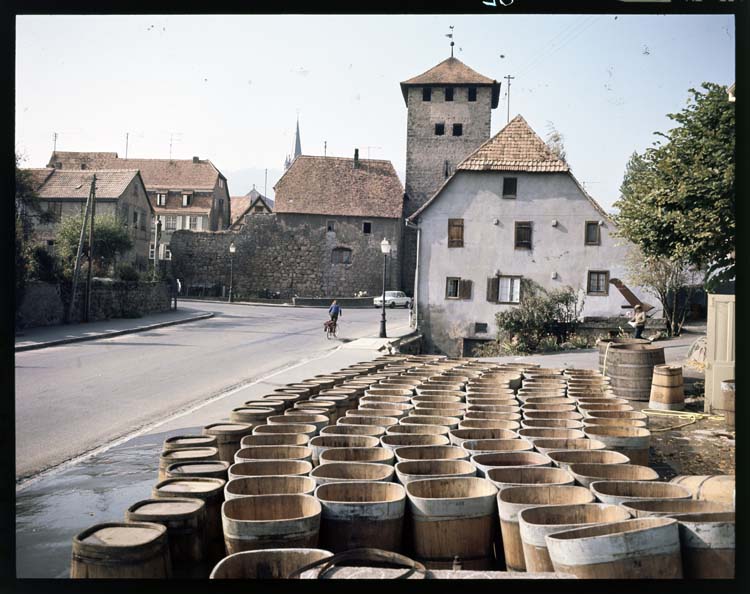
52, 511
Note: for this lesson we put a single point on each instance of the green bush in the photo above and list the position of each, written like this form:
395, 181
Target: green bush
43, 266
128, 273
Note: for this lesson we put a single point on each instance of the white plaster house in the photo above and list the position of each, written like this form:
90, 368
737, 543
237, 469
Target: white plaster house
511, 210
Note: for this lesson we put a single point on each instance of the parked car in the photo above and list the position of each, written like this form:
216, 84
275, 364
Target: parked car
393, 299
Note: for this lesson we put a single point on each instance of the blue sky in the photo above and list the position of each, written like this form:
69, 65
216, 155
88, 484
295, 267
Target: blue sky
229, 88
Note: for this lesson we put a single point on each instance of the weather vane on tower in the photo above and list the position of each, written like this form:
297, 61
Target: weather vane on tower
450, 36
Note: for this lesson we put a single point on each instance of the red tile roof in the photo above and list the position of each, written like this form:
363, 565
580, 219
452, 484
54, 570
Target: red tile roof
332, 186
158, 174
77, 184
240, 204
39, 176
515, 148
452, 71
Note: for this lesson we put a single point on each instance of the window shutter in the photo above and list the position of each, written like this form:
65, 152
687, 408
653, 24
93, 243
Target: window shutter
493, 289
455, 233
516, 290
464, 289
200, 224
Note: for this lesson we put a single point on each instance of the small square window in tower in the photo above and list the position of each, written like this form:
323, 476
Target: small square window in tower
510, 185
367, 227
523, 235
472, 93
449, 93
592, 233
458, 129
439, 129
331, 226
426, 94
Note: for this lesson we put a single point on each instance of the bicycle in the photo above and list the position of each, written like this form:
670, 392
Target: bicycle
330, 329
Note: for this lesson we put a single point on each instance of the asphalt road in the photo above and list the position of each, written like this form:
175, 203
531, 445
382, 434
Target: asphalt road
75, 398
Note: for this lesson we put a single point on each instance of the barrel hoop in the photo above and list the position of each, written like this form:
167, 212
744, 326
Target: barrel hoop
108, 560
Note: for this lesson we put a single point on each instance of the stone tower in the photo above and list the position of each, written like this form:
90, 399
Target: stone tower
449, 110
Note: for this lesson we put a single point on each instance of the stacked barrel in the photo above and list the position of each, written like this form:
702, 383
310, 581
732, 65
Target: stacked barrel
454, 462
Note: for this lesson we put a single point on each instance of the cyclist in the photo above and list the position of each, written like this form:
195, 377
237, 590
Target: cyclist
334, 311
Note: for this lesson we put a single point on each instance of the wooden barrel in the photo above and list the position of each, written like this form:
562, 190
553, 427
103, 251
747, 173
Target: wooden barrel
622, 492
535, 523
413, 470
351, 471
119, 550
426, 390
494, 408
270, 467
386, 409
564, 458
631, 441
266, 564
553, 404
374, 430
492, 416
252, 415
513, 500
277, 406
439, 409
417, 430
270, 521
587, 408
644, 548
274, 439
185, 455
670, 507
376, 455
367, 420
385, 399
545, 445
306, 409
268, 485
303, 389
425, 399
458, 436
285, 397
617, 422
485, 462
450, 422
211, 492
319, 383
517, 476
186, 442
323, 442
569, 415
548, 433
304, 428
211, 469
361, 514
273, 453
185, 521
606, 343
390, 442
389, 392
718, 487
630, 368
489, 424
431, 452
323, 407
453, 517
228, 437
667, 392
489, 446
551, 424
618, 414
587, 473
319, 421
726, 404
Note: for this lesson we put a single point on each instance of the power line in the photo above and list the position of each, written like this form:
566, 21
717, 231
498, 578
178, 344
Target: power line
561, 33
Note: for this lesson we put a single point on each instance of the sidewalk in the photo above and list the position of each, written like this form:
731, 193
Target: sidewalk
47, 336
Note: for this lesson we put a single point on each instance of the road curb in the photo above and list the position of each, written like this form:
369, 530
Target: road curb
51, 343
258, 304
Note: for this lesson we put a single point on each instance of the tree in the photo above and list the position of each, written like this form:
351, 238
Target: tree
555, 141
677, 198
672, 282
110, 240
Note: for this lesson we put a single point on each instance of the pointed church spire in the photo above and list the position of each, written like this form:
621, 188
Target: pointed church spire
297, 143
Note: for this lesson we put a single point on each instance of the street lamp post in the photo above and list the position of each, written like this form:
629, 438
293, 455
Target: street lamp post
385, 247
232, 249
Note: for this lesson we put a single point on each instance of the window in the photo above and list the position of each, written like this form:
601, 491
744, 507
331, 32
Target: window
598, 282
83, 165
193, 223
509, 289
331, 226
480, 328
458, 129
167, 253
50, 243
221, 205
510, 185
186, 199
439, 129
170, 223
592, 233
143, 220
449, 93
472, 93
161, 199
523, 234
455, 233
55, 210
367, 227
457, 288
447, 168
426, 94
341, 256
221, 183
259, 209
135, 219
151, 251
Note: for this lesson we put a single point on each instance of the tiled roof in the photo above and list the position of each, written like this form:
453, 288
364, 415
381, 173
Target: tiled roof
240, 204
452, 71
332, 186
158, 174
76, 184
39, 176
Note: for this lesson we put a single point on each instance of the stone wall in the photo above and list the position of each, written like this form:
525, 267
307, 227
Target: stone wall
291, 255
45, 304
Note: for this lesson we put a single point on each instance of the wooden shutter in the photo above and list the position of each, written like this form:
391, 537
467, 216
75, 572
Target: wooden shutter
464, 289
493, 289
455, 233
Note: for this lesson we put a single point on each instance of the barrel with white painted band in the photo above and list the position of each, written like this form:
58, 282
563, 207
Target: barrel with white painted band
504, 477
266, 564
269, 467
551, 424
707, 541
620, 422
431, 452
186, 442
373, 430
185, 455
305, 428
719, 487
276, 405
251, 415
450, 422
458, 436
284, 452
412, 470
568, 415
586, 473
323, 442
351, 471
532, 434
489, 446
274, 439
210, 469
419, 429
269, 485
546, 445
377, 455
485, 462
632, 441
368, 420
670, 507
621, 492
564, 458
391, 442
318, 420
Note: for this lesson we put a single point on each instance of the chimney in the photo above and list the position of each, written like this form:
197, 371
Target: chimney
195, 159
356, 158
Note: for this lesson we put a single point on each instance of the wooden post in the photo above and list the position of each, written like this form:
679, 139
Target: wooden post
77, 266
87, 310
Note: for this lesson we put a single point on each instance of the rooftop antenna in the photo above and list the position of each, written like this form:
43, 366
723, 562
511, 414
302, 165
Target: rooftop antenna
127, 134
172, 140
325, 147
508, 78
54, 142
450, 36
265, 186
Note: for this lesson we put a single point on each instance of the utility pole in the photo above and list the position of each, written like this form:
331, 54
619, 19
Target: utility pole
325, 147
87, 311
157, 232
509, 78
127, 134
265, 184
54, 142
79, 255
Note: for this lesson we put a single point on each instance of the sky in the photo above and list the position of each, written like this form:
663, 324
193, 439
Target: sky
231, 87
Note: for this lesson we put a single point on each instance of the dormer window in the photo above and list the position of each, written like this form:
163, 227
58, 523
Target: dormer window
161, 199
186, 199
439, 129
